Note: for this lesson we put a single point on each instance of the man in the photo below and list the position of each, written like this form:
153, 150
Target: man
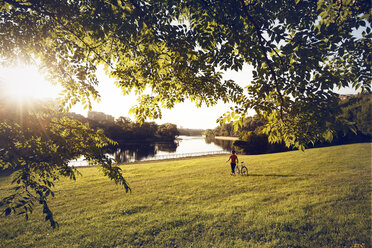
234, 160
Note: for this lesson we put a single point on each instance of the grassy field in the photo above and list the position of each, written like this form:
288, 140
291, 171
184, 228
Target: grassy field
317, 198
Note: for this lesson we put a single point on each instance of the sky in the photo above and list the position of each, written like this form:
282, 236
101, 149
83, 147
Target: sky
184, 114
26, 81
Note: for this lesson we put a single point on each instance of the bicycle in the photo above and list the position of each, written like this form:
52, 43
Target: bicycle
242, 170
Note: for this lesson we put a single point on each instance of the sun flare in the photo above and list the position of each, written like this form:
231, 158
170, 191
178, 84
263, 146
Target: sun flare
24, 82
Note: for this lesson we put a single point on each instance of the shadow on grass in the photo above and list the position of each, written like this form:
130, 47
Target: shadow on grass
5, 173
278, 175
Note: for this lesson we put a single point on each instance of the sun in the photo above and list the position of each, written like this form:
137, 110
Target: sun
25, 82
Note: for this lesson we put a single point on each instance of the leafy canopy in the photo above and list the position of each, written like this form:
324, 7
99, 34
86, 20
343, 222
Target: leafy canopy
300, 50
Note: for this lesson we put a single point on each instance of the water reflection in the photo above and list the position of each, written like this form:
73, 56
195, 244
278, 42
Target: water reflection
169, 147
152, 151
138, 152
135, 152
226, 145
184, 144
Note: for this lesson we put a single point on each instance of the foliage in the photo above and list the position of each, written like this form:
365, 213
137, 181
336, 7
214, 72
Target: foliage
37, 144
300, 50
168, 130
355, 121
358, 110
255, 143
252, 123
209, 133
316, 198
124, 131
227, 129
353, 124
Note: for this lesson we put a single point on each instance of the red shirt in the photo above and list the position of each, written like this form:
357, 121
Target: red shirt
233, 158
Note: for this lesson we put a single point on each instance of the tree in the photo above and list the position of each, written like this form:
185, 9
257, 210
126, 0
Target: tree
358, 110
38, 144
301, 51
123, 122
209, 133
252, 123
168, 130
227, 129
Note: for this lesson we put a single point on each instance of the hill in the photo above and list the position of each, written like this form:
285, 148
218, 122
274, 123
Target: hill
317, 198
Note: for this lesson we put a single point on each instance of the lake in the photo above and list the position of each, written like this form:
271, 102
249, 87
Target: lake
183, 146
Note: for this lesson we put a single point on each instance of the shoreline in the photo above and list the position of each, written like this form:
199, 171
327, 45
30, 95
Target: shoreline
226, 138
154, 161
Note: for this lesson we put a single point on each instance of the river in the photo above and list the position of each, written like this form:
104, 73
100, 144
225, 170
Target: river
183, 146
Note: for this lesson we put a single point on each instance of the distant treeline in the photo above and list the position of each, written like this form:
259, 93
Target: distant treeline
125, 131
356, 116
227, 129
357, 113
191, 132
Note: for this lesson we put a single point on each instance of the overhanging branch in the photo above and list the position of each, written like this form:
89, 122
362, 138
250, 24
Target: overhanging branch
262, 48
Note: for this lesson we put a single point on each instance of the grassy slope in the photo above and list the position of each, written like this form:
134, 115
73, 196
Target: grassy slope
317, 198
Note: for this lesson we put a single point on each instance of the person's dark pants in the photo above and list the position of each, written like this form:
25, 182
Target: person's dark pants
233, 168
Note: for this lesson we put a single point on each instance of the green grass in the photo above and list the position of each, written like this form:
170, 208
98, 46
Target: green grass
317, 198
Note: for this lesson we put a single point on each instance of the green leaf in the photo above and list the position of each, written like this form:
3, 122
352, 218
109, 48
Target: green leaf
7, 211
328, 136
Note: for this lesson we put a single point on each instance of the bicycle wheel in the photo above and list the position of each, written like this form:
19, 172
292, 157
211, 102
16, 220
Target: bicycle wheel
237, 170
244, 171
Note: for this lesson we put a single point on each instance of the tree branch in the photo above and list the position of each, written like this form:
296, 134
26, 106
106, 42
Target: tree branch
262, 48
34, 5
